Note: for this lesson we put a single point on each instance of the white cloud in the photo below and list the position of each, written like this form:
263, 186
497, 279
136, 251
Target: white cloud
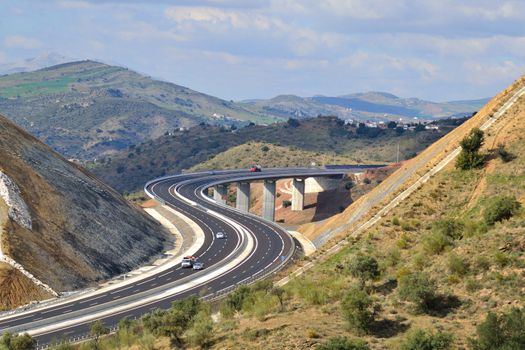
22, 42
144, 31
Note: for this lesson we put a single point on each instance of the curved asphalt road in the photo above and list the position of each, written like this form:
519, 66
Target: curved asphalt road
273, 247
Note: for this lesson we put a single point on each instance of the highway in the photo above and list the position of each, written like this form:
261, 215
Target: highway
253, 249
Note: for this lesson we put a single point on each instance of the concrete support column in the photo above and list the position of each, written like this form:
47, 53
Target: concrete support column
219, 193
243, 196
298, 194
268, 209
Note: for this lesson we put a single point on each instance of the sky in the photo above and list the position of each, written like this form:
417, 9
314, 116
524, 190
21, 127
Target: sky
242, 49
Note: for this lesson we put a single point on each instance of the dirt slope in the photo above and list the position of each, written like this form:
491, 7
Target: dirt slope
82, 231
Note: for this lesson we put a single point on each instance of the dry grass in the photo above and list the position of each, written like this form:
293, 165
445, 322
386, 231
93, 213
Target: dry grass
270, 156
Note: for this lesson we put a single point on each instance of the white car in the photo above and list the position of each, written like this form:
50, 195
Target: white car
220, 235
198, 266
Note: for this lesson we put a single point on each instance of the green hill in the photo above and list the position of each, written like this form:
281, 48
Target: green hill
87, 109
169, 154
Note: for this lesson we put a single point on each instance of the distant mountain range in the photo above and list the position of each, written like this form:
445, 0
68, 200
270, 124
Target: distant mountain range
369, 105
44, 60
87, 109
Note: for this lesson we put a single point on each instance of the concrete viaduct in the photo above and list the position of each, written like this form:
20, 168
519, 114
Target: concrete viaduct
242, 185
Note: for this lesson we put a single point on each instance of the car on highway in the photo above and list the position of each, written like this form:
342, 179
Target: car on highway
256, 168
188, 261
220, 235
198, 266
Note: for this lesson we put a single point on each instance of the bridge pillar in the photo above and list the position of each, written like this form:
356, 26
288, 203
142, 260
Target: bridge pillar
219, 193
298, 194
268, 209
243, 196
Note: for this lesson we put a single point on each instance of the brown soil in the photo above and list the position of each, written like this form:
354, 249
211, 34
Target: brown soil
16, 289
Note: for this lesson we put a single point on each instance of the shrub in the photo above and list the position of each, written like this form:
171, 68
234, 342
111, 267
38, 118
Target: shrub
501, 332
201, 331
427, 340
358, 309
10, 341
482, 263
457, 265
367, 180
500, 208
442, 235
395, 221
392, 258
265, 148
502, 259
349, 185
364, 268
470, 158
343, 343
287, 203
417, 288
503, 154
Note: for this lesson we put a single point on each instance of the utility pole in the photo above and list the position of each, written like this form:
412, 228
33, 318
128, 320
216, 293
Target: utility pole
397, 157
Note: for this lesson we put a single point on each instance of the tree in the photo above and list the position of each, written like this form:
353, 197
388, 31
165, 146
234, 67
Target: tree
427, 340
500, 208
294, 123
417, 288
97, 330
358, 309
364, 268
10, 341
469, 157
280, 293
501, 332
391, 124
343, 343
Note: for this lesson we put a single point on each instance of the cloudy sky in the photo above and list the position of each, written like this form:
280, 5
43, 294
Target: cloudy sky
239, 49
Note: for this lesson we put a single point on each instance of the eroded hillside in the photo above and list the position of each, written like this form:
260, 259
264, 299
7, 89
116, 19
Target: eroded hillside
61, 224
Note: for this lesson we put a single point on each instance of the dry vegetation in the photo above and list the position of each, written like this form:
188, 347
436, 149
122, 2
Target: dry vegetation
271, 156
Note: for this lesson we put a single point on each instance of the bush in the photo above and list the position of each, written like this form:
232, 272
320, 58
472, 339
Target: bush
10, 341
201, 331
457, 265
287, 203
358, 309
395, 221
349, 185
343, 343
265, 148
470, 158
500, 208
417, 288
367, 181
443, 234
503, 154
427, 340
501, 332
364, 268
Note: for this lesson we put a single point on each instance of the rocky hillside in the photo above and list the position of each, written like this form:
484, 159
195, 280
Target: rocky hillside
170, 154
86, 109
63, 226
